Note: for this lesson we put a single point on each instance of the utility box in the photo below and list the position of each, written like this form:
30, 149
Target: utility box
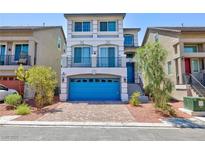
194, 103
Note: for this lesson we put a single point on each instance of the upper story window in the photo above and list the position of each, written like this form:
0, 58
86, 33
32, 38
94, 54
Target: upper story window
82, 55
21, 50
169, 67
2, 49
82, 26
128, 40
190, 48
109, 26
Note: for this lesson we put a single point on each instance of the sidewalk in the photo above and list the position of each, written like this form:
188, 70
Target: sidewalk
168, 123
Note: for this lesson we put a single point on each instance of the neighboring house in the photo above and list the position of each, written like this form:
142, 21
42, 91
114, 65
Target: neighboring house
29, 45
185, 63
94, 67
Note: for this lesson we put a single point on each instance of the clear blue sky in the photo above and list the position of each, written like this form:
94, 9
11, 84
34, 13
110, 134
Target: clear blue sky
141, 20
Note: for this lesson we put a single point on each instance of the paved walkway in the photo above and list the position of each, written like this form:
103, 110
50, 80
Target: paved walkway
84, 112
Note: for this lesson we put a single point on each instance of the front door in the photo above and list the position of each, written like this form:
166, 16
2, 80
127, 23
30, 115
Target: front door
187, 66
130, 72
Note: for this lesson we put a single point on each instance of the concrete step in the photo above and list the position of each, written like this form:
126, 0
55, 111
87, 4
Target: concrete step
144, 99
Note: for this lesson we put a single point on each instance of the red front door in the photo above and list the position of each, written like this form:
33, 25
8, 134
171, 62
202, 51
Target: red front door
187, 66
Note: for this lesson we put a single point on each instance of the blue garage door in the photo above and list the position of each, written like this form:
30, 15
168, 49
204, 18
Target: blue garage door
94, 89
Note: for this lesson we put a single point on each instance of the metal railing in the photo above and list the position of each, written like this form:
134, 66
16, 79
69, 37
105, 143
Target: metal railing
195, 83
92, 61
15, 60
109, 61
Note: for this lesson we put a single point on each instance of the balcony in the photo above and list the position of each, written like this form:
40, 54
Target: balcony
194, 54
94, 62
15, 60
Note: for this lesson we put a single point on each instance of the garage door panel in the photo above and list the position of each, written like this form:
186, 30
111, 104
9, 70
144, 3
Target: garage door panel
94, 89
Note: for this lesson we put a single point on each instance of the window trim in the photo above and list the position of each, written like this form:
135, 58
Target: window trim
82, 26
116, 26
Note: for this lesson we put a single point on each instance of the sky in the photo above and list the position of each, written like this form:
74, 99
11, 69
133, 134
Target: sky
140, 20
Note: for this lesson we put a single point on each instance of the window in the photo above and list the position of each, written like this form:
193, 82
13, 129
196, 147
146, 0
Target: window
169, 67
195, 66
82, 26
130, 55
82, 55
108, 26
21, 50
59, 43
106, 57
190, 48
128, 40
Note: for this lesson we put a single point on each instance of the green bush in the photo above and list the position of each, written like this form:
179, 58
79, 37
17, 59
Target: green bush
13, 100
134, 100
23, 109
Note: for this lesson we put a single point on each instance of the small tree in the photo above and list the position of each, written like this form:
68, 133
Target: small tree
21, 75
151, 61
43, 80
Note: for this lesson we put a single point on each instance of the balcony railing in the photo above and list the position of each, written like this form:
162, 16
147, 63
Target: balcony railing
93, 62
109, 61
15, 60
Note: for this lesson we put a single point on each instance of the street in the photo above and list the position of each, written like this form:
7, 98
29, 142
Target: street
19, 133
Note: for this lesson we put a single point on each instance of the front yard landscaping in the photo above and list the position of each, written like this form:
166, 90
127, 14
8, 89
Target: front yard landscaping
92, 112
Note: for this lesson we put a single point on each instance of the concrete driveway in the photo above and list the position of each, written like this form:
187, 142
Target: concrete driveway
90, 112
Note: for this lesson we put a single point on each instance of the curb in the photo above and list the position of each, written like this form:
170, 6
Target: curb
82, 124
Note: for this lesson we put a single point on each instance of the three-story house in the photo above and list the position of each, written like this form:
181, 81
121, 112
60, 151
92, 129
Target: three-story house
94, 66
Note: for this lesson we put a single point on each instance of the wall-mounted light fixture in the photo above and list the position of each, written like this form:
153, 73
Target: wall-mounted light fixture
63, 76
125, 79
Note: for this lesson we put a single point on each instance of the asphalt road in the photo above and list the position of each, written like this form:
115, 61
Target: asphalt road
17, 133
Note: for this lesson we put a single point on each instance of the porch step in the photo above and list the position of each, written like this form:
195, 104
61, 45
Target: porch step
137, 88
133, 88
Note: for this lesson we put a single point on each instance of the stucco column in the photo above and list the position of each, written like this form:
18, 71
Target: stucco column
64, 88
180, 70
32, 51
124, 93
95, 28
94, 60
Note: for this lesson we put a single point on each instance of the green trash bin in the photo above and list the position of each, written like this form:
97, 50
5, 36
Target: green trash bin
194, 103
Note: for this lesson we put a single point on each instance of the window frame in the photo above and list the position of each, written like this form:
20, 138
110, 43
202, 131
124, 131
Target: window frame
169, 67
82, 61
198, 68
82, 26
191, 45
21, 44
129, 45
107, 26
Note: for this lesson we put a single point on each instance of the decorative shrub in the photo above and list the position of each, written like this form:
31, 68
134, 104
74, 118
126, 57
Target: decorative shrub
23, 109
134, 100
13, 100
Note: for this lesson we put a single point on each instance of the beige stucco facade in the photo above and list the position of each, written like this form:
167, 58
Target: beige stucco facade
45, 47
174, 42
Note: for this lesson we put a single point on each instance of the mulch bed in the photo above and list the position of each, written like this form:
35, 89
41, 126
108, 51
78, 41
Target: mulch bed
5, 110
147, 112
35, 114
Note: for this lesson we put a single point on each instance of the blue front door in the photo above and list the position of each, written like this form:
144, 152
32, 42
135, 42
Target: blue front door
130, 72
94, 89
